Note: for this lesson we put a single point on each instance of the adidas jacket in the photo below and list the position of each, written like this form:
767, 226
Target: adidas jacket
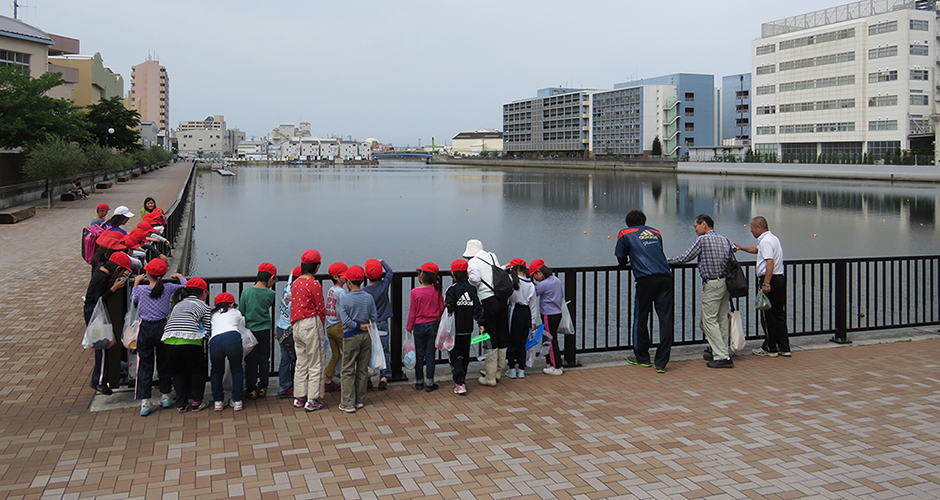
462, 301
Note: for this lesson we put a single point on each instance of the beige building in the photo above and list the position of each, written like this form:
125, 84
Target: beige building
95, 81
203, 138
30, 47
150, 94
476, 142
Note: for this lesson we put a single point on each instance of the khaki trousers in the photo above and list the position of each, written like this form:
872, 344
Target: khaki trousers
715, 306
309, 346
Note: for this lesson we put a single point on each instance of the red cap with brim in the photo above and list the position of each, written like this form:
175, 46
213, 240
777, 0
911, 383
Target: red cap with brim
458, 265
269, 268
429, 267
224, 298
374, 269
156, 267
516, 262
310, 257
121, 259
536, 265
103, 206
111, 240
131, 242
296, 272
337, 269
355, 273
197, 282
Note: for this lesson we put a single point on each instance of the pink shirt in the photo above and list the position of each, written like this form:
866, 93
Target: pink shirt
426, 306
306, 300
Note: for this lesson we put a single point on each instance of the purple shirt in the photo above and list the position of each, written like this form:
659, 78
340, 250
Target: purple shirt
154, 309
551, 295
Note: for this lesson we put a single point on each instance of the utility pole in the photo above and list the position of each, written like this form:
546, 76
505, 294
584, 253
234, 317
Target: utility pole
16, 9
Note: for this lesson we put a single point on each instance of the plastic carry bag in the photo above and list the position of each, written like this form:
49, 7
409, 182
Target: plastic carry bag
99, 334
762, 302
409, 360
248, 340
445, 333
533, 345
377, 361
736, 326
131, 327
566, 326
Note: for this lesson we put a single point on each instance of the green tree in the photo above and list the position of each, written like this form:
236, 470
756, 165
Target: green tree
109, 114
99, 159
54, 160
657, 147
28, 116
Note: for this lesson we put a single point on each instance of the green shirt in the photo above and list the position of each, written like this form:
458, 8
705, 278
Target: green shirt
256, 303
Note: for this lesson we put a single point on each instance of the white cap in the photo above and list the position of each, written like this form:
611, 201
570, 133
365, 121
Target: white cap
122, 210
473, 247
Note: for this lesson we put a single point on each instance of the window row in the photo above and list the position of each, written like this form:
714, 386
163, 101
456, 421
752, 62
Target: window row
817, 61
816, 39
797, 107
818, 83
810, 128
8, 57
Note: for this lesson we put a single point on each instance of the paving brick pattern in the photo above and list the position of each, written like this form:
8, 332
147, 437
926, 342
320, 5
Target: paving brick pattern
853, 422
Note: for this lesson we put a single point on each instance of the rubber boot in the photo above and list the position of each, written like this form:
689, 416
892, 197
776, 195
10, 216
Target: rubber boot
501, 362
490, 365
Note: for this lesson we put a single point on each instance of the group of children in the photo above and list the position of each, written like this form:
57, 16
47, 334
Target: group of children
171, 339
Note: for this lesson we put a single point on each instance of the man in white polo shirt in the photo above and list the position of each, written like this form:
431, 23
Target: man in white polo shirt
774, 284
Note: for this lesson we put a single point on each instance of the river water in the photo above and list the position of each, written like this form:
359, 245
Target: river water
408, 213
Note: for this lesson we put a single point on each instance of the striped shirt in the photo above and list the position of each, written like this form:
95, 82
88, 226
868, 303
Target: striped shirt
189, 320
713, 251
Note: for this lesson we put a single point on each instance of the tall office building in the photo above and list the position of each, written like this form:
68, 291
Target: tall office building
558, 120
735, 124
844, 81
150, 94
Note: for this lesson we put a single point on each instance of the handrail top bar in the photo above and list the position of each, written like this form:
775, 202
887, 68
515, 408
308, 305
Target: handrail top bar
179, 197
413, 274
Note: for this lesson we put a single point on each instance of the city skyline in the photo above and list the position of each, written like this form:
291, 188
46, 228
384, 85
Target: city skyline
402, 72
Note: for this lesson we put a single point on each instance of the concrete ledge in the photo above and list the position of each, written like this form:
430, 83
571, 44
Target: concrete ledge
135, 174
15, 215
123, 178
104, 185
68, 197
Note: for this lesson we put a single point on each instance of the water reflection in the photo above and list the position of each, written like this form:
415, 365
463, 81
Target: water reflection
410, 213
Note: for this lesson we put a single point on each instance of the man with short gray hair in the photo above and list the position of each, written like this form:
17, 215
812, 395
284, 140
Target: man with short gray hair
773, 283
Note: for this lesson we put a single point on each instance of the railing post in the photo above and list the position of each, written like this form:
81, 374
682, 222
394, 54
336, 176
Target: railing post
571, 293
396, 330
841, 312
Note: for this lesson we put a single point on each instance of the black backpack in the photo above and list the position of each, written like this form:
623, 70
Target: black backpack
502, 283
735, 280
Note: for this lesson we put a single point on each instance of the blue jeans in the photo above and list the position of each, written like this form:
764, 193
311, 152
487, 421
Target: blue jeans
383, 327
285, 370
224, 346
425, 334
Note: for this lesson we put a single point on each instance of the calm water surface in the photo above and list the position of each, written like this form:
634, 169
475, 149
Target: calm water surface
409, 213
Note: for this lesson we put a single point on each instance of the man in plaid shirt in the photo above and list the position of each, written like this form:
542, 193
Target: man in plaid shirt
713, 251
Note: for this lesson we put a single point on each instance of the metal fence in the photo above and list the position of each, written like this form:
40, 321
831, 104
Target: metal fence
824, 297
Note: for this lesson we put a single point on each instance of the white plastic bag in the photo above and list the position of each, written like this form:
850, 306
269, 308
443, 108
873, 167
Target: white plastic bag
99, 334
566, 326
408, 355
445, 332
737, 331
248, 340
378, 353
131, 327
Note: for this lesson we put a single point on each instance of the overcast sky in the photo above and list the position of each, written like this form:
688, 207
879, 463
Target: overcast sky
404, 70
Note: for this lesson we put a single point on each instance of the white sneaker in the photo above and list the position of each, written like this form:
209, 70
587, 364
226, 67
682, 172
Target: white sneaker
219, 405
761, 352
238, 405
553, 371
165, 401
146, 407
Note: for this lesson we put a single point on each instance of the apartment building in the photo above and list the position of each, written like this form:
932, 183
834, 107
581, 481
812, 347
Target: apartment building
735, 116
95, 80
626, 121
854, 79
203, 138
557, 120
150, 94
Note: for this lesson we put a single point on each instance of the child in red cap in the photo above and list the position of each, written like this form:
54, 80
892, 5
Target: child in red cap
357, 311
380, 279
256, 303
101, 214
186, 329
334, 327
307, 313
462, 301
105, 281
424, 318
225, 342
551, 295
523, 318
284, 334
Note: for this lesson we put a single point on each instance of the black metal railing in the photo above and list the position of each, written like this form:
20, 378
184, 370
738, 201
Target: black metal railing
824, 297
174, 216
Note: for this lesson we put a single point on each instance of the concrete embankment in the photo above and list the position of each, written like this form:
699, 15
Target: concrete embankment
639, 165
894, 173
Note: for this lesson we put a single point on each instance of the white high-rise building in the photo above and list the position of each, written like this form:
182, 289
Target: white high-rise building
845, 81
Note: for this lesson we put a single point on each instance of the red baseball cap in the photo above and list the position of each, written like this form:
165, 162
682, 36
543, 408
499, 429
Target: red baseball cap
429, 267
103, 206
130, 242
121, 259
310, 257
268, 267
197, 282
374, 269
536, 265
222, 298
158, 211
156, 267
516, 262
111, 240
458, 265
296, 272
355, 273
337, 269
145, 227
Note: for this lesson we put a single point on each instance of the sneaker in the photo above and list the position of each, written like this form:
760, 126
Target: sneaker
431, 387
632, 360
511, 373
165, 401
360, 406
383, 384
461, 389
553, 371
660, 369
289, 393
146, 407
720, 363
182, 409
331, 386
200, 405
419, 386
251, 394
262, 393
347, 409
786, 354
299, 402
520, 373
314, 405
761, 352
219, 405
238, 405
708, 356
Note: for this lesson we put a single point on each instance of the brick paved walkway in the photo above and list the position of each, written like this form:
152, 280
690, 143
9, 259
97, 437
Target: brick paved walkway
851, 422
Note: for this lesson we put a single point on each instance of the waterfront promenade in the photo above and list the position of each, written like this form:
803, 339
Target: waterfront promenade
848, 422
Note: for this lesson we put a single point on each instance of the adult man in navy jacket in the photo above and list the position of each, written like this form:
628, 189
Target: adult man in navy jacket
641, 246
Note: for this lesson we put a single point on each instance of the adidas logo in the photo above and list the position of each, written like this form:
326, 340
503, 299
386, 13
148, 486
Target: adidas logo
465, 300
